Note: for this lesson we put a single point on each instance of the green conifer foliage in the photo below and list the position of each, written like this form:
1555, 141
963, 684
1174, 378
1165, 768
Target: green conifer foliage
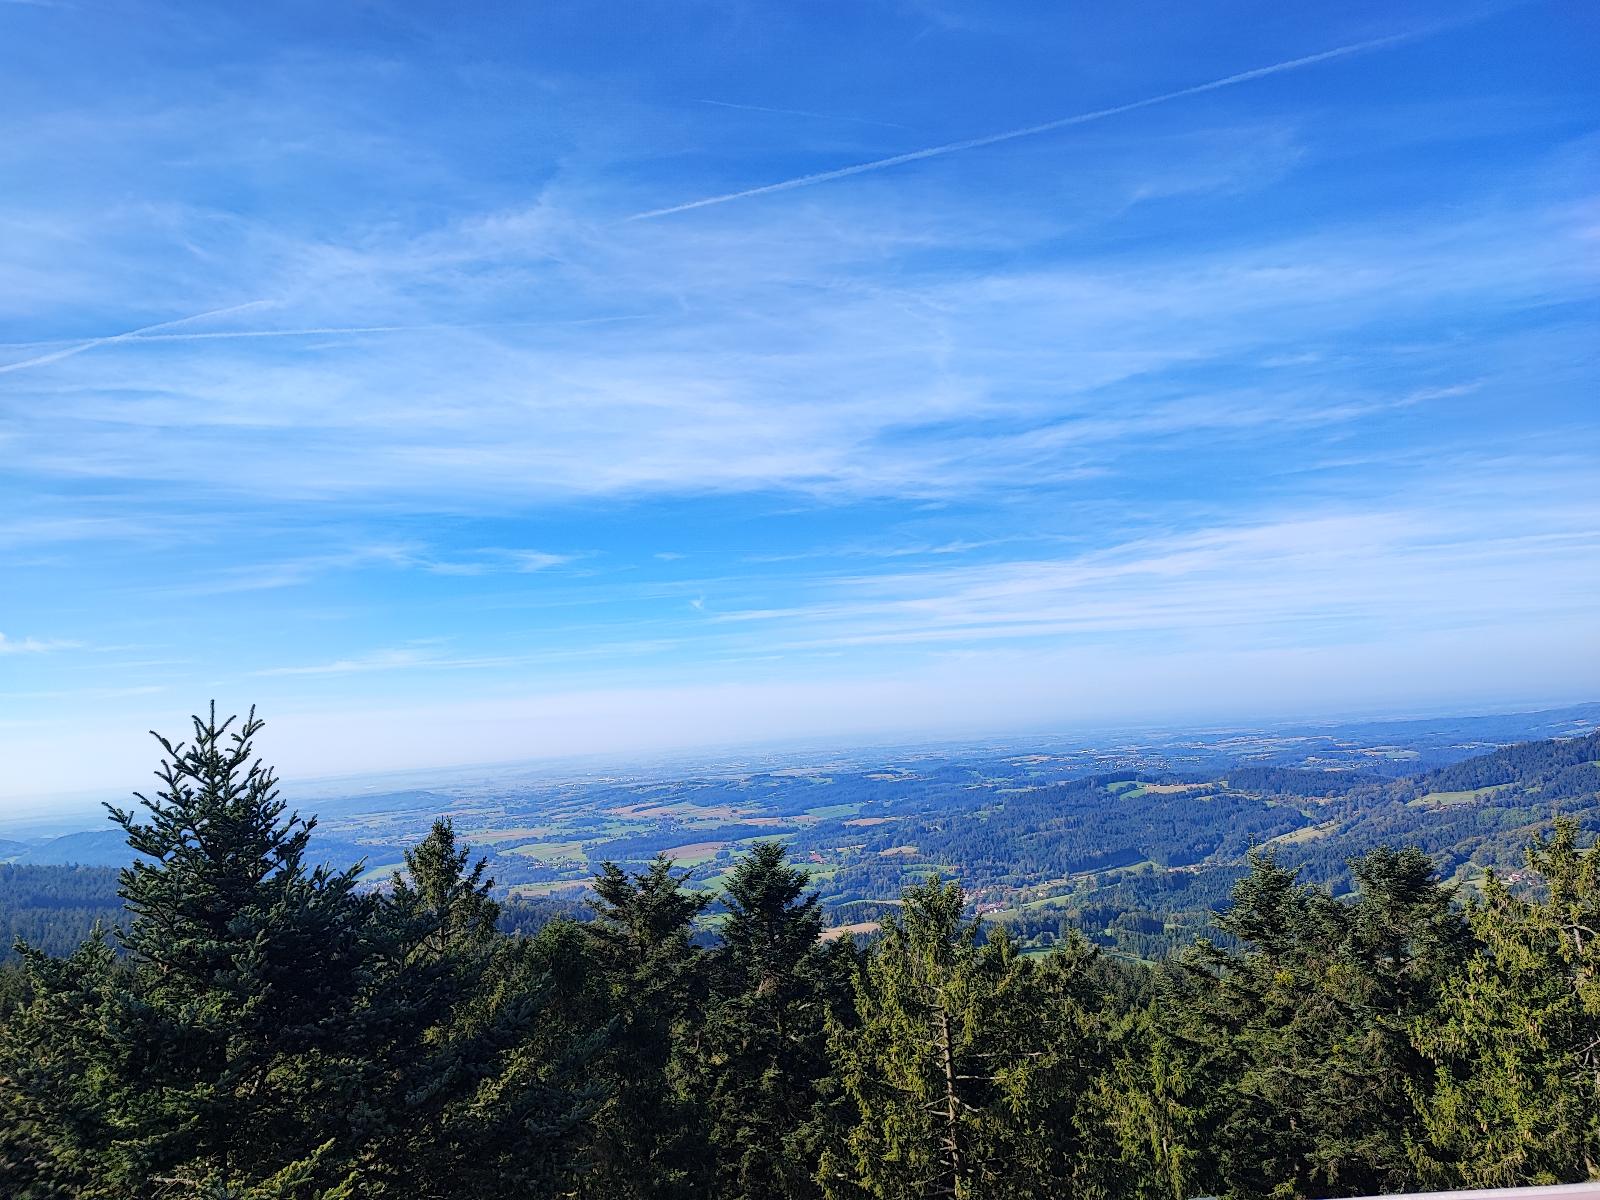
450, 900
1517, 1036
650, 1134
487, 1094
1300, 1063
772, 924
57, 1099
1150, 1103
273, 1034
964, 1066
228, 1050
277, 1030
763, 1056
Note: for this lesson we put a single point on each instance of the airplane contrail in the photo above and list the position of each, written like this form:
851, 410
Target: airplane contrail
79, 347
1099, 114
227, 334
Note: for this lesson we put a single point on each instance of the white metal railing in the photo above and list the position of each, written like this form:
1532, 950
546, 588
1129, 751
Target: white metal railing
1557, 1191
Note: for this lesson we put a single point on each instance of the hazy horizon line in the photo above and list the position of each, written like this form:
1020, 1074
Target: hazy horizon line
711, 756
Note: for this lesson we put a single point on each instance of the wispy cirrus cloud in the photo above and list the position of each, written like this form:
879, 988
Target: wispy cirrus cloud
800, 112
1446, 557
1285, 377
496, 561
273, 574
433, 657
924, 387
401, 658
33, 645
47, 530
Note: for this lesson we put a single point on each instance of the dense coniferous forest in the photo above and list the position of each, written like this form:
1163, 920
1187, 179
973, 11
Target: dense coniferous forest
54, 908
261, 1026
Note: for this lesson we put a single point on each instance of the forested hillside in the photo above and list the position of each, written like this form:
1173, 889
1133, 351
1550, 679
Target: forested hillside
54, 908
275, 1030
1557, 768
1140, 863
1470, 815
1135, 860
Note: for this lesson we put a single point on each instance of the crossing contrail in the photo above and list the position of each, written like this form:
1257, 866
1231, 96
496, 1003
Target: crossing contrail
149, 333
1100, 114
79, 347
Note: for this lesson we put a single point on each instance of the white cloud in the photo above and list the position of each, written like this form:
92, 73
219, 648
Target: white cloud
31, 645
1110, 414
495, 561
904, 387
400, 556
1444, 561
380, 660
527, 561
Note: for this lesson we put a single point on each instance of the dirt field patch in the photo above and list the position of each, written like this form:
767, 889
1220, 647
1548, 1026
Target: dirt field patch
840, 931
491, 836
693, 852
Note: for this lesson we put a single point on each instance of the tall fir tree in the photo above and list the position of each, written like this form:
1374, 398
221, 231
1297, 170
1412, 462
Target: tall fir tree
650, 1135
486, 1095
1517, 1035
228, 1054
964, 1066
1299, 1053
274, 1035
763, 1055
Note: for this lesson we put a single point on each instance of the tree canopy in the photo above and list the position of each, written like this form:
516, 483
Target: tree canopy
267, 1027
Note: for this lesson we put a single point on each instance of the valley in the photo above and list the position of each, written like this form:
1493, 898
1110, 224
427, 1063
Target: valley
1135, 843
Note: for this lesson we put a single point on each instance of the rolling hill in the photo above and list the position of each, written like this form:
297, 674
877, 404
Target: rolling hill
1139, 860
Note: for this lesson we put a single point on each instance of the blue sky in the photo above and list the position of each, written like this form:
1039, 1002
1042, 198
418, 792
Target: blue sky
380, 365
